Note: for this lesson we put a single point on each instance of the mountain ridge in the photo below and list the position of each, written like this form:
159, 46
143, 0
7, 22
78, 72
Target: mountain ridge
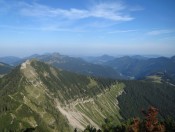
76, 65
68, 95
9, 59
38, 96
137, 68
125, 67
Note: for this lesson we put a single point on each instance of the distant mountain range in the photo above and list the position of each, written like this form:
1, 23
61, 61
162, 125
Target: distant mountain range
126, 67
37, 96
76, 65
9, 59
139, 68
99, 60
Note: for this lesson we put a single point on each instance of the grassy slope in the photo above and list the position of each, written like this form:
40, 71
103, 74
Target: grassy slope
98, 95
23, 105
29, 102
28, 98
103, 105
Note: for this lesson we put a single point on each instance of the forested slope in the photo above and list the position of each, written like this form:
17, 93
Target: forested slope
140, 95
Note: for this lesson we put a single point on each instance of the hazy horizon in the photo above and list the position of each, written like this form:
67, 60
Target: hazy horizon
92, 55
87, 28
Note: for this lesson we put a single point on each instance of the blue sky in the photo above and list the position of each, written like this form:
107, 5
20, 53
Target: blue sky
87, 27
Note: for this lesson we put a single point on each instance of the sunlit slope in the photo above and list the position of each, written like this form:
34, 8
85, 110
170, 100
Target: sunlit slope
38, 96
26, 103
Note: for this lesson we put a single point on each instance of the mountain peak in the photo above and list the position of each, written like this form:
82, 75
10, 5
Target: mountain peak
26, 63
28, 70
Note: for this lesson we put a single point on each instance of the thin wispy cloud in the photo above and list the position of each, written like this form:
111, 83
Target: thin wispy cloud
160, 32
99, 15
42, 17
46, 28
121, 31
37, 10
110, 11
